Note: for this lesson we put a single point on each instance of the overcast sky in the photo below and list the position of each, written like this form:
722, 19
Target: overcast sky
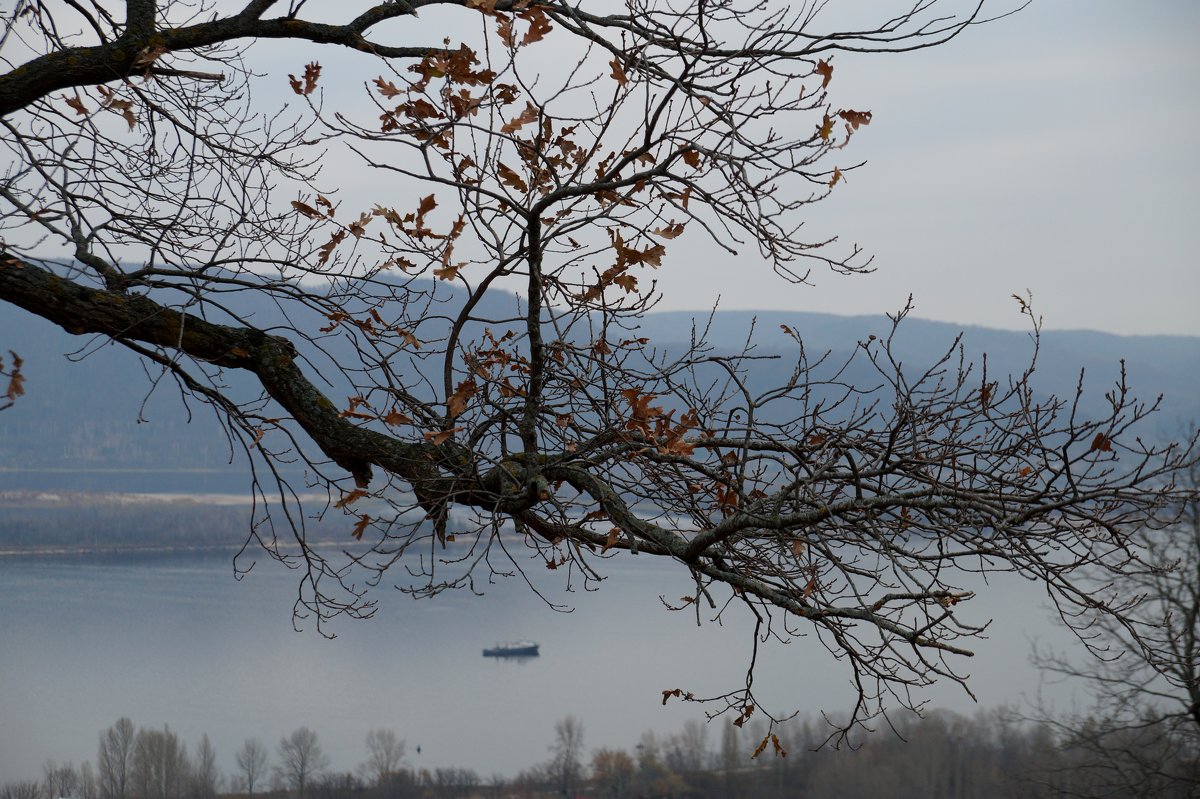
1054, 151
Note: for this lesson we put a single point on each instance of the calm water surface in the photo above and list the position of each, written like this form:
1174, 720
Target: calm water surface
174, 639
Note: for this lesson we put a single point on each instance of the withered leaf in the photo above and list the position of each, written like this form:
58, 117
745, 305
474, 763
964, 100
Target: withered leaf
395, 418
312, 72
457, 402
363, 522
825, 70
539, 25
530, 114
671, 231
448, 272
307, 210
855, 118
826, 129
611, 541
387, 88
504, 30
76, 105
437, 438
985, 394
618, 74
349, 497
510, 178
1101, 443
16, 385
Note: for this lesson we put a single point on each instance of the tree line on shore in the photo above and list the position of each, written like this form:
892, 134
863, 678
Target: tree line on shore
943, 754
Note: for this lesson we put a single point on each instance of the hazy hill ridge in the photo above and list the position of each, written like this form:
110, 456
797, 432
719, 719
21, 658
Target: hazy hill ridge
95, 410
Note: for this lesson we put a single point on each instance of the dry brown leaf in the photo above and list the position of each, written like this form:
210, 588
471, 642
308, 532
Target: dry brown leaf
312, 72
457, 402
437, 438
618, 74
611, 541
530, 114
539, 25
825, 70
395, 418
349, 497
510, 178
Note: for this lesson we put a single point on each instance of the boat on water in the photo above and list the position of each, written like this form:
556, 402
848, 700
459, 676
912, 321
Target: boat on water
512, 649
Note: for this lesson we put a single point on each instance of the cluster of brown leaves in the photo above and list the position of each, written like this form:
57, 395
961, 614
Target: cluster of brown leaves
660, 426
108, 101
306, 84
626, 257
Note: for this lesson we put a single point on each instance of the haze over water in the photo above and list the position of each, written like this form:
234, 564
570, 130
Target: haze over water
174, 639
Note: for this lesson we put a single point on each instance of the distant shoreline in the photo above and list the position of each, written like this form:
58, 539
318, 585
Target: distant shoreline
51, 523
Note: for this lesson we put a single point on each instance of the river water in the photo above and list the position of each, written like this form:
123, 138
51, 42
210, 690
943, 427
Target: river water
175, 639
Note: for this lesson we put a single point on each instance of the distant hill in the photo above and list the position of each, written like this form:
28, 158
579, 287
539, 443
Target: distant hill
1166, 365
92, 405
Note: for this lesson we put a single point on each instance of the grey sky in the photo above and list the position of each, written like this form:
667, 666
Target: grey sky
1052, 151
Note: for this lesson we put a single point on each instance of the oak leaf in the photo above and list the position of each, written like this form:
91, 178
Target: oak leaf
437, 438
671, 231
349, 497
312, 72
76, 105
428, 203
395, 418
539, 26
16, 385
825, 70
611, 541
856, 118
618, 74
510, 178
457, 402
826, 129
530, 114
761, 746
307, 210
504, 31
387, 88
